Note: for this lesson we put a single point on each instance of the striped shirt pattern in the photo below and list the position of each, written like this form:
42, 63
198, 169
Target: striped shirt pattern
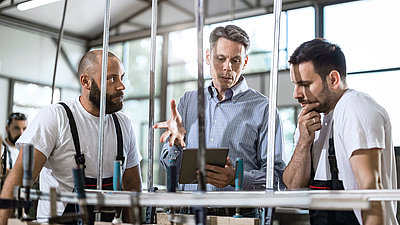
239, 122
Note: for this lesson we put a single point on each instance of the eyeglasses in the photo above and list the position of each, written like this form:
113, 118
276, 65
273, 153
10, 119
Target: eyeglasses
15, 116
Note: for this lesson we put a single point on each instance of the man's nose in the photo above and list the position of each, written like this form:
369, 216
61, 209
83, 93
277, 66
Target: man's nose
121, 85
228, 65
298, 92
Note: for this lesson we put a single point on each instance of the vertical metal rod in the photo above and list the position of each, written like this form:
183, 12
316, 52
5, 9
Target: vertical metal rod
103, 93
272, 98
60, 36
201, 154
232, 7
153, 54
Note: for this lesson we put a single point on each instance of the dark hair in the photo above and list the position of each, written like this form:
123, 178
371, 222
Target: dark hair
90, 59
232, 33
15, 116
324, 56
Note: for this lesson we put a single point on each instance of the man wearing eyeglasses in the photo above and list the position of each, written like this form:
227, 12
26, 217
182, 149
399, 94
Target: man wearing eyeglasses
16, 125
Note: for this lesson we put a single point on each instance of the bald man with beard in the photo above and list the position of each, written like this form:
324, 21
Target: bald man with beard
54, 150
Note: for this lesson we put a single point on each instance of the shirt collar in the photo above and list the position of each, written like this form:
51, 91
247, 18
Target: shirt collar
232, 92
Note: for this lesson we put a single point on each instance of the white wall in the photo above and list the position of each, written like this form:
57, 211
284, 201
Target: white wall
30, 57
3, 108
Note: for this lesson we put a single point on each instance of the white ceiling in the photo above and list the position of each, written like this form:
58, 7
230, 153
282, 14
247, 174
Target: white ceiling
84, 18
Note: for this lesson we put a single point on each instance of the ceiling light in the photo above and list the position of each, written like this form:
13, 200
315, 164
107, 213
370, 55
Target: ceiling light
33, 4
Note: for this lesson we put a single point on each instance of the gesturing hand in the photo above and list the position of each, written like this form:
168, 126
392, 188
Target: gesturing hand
174, 128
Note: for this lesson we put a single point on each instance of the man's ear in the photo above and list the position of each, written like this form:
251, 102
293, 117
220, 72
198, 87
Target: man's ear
246, 59
85, 81
208, 55
333, 79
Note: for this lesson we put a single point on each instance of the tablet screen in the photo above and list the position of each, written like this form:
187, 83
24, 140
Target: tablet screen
214, 156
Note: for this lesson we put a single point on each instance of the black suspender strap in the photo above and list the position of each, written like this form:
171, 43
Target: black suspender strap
120, 153
79, 158
332, 158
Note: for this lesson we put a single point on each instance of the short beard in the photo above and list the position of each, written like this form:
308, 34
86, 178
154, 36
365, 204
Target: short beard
111, 107
327, 99
12, 140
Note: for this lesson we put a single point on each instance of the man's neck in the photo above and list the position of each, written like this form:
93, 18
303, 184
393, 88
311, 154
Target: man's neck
88, 106
221, 94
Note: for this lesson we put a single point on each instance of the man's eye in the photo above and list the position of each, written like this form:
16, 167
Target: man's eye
221, 59
236, 61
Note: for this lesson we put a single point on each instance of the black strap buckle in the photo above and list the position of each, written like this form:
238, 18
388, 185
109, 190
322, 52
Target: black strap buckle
80, 160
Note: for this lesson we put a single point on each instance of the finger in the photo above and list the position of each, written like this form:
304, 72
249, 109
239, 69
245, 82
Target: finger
164, 136
172, 140
160, 125
315, 127
173, 108
213, 168
228, 162
308, 108
181, 141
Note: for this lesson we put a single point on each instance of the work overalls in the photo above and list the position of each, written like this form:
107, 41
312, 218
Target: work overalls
91, 183
329, 217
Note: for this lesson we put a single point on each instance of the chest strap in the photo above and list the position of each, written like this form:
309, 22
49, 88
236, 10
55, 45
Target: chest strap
331, 158
79, 157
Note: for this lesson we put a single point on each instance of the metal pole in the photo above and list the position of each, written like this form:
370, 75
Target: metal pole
103, 93
201, 154
60, 36
153, 53
272, 98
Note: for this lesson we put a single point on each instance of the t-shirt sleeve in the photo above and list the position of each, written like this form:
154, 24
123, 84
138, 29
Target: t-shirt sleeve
133, 157
363, 126
43, 131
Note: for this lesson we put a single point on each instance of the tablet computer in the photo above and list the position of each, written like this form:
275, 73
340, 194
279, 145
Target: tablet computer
214, 156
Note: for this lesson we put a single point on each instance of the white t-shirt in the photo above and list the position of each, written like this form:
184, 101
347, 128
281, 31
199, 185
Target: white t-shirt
50, 133
13, 153
359, 123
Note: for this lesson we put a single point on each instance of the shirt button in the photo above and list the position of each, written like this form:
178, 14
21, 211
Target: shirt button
215, 121
212, 139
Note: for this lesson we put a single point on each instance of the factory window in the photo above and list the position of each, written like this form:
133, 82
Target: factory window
371, 48
138, 112
136, 57
39, 96
367, 35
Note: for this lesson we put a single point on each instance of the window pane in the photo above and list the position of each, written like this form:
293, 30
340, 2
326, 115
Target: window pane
383, 87
175, 91
366, 31
117, 49
301, 27
138, 112
288, 115
39, 96
138, 69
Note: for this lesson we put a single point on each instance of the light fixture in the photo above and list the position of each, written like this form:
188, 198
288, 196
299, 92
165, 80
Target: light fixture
33, 4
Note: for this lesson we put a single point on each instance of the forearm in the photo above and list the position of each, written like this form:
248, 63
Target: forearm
374, 215
13, 179
297, 173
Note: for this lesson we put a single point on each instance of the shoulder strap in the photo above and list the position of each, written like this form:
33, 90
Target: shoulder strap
120, 153
332, 158
79, 158
4, 158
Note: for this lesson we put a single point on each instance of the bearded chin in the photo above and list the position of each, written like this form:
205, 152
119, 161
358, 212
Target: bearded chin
12, 140
94, 98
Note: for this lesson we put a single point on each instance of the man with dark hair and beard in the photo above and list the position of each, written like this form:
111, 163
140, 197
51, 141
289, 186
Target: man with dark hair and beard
55, 149
16, 125
343, 138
